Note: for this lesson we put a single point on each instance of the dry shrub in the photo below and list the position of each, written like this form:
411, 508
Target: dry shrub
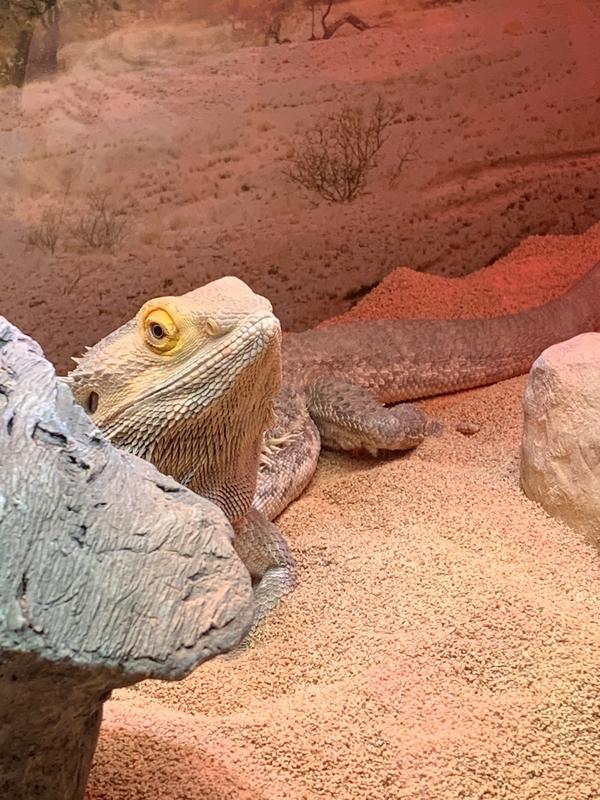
46, 234
334, 157
101, 226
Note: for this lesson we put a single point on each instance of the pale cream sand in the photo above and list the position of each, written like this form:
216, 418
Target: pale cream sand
443, 640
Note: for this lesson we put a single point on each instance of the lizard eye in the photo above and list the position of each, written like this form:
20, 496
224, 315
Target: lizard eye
160, 330
157, 331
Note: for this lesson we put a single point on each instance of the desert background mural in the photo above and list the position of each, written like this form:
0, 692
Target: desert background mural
184, 127
443, 641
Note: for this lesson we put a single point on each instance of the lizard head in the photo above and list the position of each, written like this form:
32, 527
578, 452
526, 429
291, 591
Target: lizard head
189, 384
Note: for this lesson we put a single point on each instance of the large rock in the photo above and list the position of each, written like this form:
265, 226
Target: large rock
109, 573
560, 452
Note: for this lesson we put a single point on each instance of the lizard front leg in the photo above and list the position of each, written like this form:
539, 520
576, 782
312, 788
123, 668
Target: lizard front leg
349, 417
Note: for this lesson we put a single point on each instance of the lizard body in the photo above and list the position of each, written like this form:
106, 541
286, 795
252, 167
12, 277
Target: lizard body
188, 384
212, 410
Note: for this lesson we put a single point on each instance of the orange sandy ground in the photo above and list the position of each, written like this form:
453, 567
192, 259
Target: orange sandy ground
443, 641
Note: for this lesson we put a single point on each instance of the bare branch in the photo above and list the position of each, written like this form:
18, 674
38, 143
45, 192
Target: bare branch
334, 157
403, 157
325, 14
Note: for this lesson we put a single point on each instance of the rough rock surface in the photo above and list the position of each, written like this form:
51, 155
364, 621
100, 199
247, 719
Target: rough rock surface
109, 573
560, 452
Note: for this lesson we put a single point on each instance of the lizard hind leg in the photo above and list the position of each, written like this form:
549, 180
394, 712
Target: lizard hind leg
349, 417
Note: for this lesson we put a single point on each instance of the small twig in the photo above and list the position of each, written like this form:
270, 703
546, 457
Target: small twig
404, 157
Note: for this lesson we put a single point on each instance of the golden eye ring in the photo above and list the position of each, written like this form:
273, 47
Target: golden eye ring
160, 330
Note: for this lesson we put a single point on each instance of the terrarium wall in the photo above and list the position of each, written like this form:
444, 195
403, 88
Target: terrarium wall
308, 147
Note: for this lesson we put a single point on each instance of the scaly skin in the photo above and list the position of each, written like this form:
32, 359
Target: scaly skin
201, 413
189, 385
346, 372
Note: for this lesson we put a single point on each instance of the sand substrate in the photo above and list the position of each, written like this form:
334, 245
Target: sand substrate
443, 640
540, 269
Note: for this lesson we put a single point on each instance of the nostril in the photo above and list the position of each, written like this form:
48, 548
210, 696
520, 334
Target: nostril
92, 402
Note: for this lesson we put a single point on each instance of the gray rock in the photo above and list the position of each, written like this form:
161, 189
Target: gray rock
560, 452
109, 573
